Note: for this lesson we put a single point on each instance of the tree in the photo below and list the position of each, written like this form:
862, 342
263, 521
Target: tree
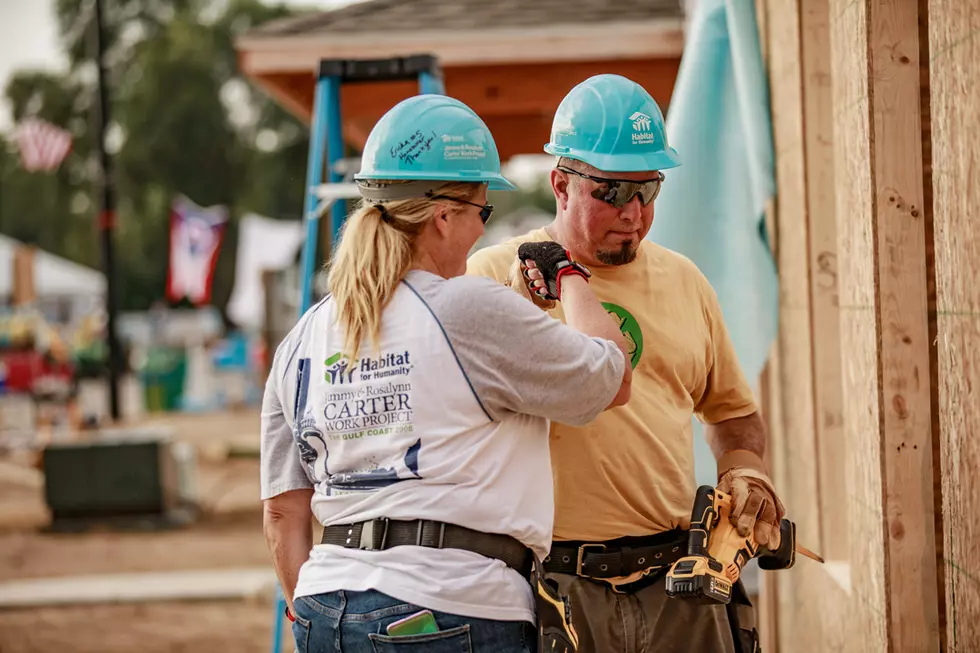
172, 71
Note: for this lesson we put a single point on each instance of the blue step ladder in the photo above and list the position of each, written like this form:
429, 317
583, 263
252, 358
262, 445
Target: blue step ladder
326, 150
327, 133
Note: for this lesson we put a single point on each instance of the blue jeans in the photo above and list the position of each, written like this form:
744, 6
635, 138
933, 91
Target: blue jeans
356, 622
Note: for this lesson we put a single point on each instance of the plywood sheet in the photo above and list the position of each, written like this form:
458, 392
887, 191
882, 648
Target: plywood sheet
954, 74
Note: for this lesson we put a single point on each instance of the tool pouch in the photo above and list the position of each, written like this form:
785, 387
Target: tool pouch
555, 631
741, 617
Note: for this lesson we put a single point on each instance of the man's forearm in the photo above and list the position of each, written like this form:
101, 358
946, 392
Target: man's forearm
289, 537
746, 433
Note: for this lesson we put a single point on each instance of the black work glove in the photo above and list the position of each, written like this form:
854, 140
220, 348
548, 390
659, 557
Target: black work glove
554, 262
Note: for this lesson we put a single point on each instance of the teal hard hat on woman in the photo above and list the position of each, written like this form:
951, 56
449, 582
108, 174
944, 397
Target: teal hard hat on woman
429, 139
428, 156
613, 124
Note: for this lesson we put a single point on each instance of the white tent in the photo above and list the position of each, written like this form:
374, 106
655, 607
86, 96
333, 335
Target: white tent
53, 276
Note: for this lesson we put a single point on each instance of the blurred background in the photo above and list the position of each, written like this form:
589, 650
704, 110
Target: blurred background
153, 182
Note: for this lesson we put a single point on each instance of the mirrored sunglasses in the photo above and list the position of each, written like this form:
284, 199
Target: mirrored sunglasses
619, 192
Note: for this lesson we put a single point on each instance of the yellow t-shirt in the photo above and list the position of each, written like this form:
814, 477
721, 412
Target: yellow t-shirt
631, 471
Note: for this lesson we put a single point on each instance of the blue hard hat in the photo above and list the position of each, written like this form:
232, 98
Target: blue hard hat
432, 138
612, 123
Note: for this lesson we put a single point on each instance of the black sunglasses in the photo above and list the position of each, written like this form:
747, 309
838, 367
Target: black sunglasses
619, 192
486, 210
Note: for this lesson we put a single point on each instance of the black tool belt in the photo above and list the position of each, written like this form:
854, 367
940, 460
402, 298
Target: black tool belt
615, 558
556, 633
741, 617
382, 534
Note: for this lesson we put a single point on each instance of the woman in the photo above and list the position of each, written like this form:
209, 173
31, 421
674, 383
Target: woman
408, 411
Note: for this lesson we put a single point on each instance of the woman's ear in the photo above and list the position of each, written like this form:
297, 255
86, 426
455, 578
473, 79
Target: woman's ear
441, 224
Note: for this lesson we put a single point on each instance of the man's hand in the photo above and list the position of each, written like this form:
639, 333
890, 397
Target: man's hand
755, 506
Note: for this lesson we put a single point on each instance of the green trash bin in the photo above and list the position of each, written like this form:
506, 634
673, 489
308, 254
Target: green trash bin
163, 374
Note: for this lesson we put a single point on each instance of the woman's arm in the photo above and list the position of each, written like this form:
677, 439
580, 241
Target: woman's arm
287, 524
517, 358
286, 490
584, 313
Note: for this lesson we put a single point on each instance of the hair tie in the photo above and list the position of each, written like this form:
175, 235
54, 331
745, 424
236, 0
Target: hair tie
385, 216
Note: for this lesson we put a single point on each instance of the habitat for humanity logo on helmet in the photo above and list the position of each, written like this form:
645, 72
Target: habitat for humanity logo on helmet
340, 369
641, 127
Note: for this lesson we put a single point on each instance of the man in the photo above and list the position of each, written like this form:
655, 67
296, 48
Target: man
624, 484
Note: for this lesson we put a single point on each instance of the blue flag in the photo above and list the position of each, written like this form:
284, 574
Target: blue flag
712, 208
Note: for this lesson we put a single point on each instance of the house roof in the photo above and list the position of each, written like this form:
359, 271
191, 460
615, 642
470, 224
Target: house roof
404, 16
468, 32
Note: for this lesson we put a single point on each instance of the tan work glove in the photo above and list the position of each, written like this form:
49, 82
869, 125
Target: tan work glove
520, 284
755, 506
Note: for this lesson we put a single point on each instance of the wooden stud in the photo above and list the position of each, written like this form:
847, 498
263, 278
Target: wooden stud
822, 254
903, 334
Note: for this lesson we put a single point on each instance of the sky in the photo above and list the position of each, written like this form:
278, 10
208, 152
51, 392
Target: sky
29, 38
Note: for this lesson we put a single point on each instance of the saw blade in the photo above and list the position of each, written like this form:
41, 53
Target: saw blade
808, 553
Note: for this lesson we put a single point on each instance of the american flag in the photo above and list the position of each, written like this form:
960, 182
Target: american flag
43, 146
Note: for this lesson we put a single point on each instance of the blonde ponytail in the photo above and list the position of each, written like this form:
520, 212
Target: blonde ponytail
376, 250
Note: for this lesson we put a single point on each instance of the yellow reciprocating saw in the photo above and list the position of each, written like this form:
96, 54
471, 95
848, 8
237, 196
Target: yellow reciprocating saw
716, 553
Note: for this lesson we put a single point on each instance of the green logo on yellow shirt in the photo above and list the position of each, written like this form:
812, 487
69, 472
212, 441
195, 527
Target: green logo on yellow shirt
630, 328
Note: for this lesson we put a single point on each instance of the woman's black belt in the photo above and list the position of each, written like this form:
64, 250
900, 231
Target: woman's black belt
383, 534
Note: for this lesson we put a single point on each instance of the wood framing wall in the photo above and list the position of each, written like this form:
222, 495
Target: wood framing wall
874, 384
809, 597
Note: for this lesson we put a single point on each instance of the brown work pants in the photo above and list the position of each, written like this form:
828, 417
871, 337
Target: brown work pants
645, 621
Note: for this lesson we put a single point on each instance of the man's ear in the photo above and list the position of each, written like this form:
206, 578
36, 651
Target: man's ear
559, 186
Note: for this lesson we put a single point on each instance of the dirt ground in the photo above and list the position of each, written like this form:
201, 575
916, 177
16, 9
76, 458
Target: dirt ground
227, 534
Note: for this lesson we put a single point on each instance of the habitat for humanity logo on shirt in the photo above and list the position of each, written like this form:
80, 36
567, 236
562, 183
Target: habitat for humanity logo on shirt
368, 396
340, 370
368, 415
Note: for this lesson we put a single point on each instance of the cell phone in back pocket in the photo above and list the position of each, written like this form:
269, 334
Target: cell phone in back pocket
414, 624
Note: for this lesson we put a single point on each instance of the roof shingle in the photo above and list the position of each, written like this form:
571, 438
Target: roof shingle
431, 15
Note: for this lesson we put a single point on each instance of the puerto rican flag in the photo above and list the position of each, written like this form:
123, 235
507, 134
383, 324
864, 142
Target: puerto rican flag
195, 238
42, 146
